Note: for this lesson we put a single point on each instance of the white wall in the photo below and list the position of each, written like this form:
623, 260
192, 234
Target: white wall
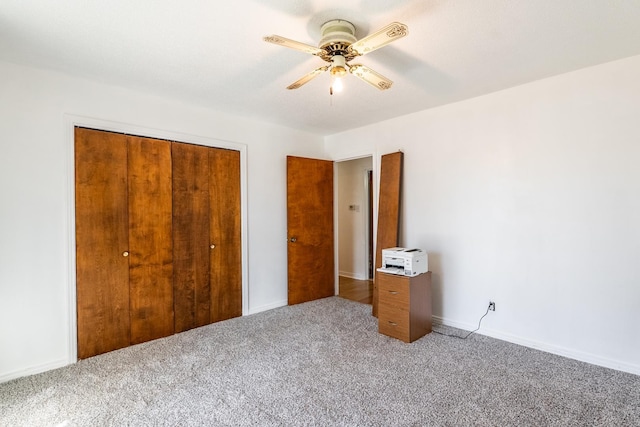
352, 224
35, 200
529, 197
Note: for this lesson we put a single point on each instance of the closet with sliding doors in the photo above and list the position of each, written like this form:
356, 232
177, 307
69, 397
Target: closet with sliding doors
158, 244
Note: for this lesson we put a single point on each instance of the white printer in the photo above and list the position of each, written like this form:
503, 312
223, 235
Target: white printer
404, 262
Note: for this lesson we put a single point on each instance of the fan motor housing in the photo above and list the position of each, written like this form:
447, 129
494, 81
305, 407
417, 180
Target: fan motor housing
337, 31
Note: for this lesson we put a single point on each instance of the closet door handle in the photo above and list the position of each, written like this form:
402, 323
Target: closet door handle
212, 246
293, 240
125, 253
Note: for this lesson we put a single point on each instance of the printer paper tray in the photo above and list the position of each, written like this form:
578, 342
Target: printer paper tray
391, 270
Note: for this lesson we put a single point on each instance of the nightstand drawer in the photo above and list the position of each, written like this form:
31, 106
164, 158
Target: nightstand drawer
394, 322
393, 290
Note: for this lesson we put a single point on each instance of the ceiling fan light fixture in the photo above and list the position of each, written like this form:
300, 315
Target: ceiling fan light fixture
338, 46
338, 66
337, 31
338, 71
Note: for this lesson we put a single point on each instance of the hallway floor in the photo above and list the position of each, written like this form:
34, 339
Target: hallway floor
356, 290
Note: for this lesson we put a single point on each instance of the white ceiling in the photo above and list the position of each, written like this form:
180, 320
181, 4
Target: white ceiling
211, 53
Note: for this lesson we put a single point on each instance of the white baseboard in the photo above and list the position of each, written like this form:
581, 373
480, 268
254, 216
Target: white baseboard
437, 320
352, 275
267, 307
549, 348
33, 370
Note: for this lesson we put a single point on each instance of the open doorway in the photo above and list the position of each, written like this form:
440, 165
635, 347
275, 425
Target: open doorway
354, 197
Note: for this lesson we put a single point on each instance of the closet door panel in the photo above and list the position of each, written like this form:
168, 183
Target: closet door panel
192, 294
150, 239
102, 270
226, 257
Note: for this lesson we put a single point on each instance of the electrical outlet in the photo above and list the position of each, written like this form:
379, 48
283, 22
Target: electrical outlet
492, 306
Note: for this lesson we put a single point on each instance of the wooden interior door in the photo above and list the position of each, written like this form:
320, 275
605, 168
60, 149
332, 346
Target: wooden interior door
310, 252
388, 212
191, 290
102, 242
225, 234
150, 239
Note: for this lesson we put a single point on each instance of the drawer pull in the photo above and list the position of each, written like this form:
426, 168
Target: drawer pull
393, 292
392, 323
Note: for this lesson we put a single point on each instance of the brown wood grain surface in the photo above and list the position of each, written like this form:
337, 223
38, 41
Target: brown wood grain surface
225, 234
394, 322
150, 239
102, 272
405, 306
158, 232
394, 289
356, 290
191, 290
388, 211
420, 306
310, 251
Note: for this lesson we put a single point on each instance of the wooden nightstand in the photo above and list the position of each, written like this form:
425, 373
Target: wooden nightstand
404, 305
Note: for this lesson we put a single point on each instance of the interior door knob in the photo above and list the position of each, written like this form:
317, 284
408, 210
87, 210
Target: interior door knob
125, 253
293, 240
212, 246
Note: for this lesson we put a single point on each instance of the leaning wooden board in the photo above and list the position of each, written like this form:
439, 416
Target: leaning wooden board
388, 211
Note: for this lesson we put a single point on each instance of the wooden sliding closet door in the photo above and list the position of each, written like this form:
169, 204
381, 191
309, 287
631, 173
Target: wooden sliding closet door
207, 256
191, 244
225, 234
102, 242
158, 238
150, 239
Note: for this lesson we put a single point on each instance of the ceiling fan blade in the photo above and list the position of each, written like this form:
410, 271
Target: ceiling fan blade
370, 76
308, 77
282, 41
380, 38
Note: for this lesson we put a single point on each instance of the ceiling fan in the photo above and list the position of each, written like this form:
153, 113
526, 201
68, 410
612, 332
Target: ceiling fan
339, 45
